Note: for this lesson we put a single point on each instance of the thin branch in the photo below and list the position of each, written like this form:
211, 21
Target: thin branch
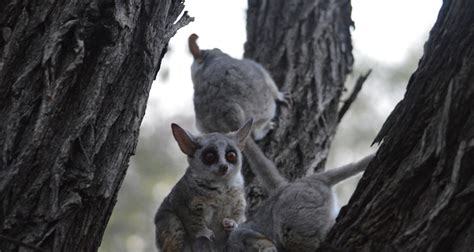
358, 86
183, 21
20, 243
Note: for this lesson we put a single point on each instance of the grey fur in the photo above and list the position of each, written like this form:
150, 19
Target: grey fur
228, 92
207, 202
297, 215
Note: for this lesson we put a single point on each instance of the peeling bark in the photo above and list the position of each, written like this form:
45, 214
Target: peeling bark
74, 82
306, 46
418, 193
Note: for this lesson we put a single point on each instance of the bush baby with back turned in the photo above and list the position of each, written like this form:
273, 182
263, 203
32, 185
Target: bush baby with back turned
228, 92
297, 215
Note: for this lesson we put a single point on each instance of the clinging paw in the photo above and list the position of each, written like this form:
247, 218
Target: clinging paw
284, 98
271, 125
229, 224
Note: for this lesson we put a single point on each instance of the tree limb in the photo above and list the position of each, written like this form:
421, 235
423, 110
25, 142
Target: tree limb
358, 86
20, 243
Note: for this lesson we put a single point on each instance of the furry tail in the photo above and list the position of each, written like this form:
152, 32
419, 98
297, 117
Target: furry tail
194, 48
334, 176
264, 168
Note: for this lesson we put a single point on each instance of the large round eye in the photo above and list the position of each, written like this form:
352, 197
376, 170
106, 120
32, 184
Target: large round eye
231, 156
209, 157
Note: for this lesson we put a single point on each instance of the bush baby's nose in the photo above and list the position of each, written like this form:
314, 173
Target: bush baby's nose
223, 169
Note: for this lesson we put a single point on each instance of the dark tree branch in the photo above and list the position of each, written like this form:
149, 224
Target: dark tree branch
183, 21
358, 86
307, 48
74, 82
20, 243
417, 194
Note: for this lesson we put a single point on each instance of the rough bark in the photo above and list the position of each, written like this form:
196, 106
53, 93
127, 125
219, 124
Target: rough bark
306, 46
74, 82
418, 194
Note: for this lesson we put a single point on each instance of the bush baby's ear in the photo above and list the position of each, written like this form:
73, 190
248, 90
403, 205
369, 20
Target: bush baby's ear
242, 134
194, 48
185, 140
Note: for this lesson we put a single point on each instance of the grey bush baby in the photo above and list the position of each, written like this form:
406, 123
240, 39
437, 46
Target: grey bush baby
297, 215
208, 201
228, 92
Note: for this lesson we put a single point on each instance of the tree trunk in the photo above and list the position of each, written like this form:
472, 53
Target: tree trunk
74, 82
418, 194
306, 46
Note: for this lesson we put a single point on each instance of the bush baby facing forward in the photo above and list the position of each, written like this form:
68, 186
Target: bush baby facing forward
208, 201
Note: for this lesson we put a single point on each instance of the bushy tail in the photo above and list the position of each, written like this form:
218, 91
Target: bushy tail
336, 175
264, 168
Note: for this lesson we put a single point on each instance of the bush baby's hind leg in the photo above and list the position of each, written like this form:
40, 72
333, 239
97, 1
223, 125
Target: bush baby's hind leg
170, 233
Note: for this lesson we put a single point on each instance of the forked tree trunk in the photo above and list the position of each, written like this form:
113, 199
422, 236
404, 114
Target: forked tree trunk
418, 194
306, 46
74, 82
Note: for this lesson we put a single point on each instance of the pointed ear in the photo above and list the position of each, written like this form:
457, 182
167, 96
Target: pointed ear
194, 48
242, 134
185, 140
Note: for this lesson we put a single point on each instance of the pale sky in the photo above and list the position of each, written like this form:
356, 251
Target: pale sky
385, 30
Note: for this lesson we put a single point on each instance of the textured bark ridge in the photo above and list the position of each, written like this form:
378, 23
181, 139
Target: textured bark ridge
418, 194
307, 48
74, 82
